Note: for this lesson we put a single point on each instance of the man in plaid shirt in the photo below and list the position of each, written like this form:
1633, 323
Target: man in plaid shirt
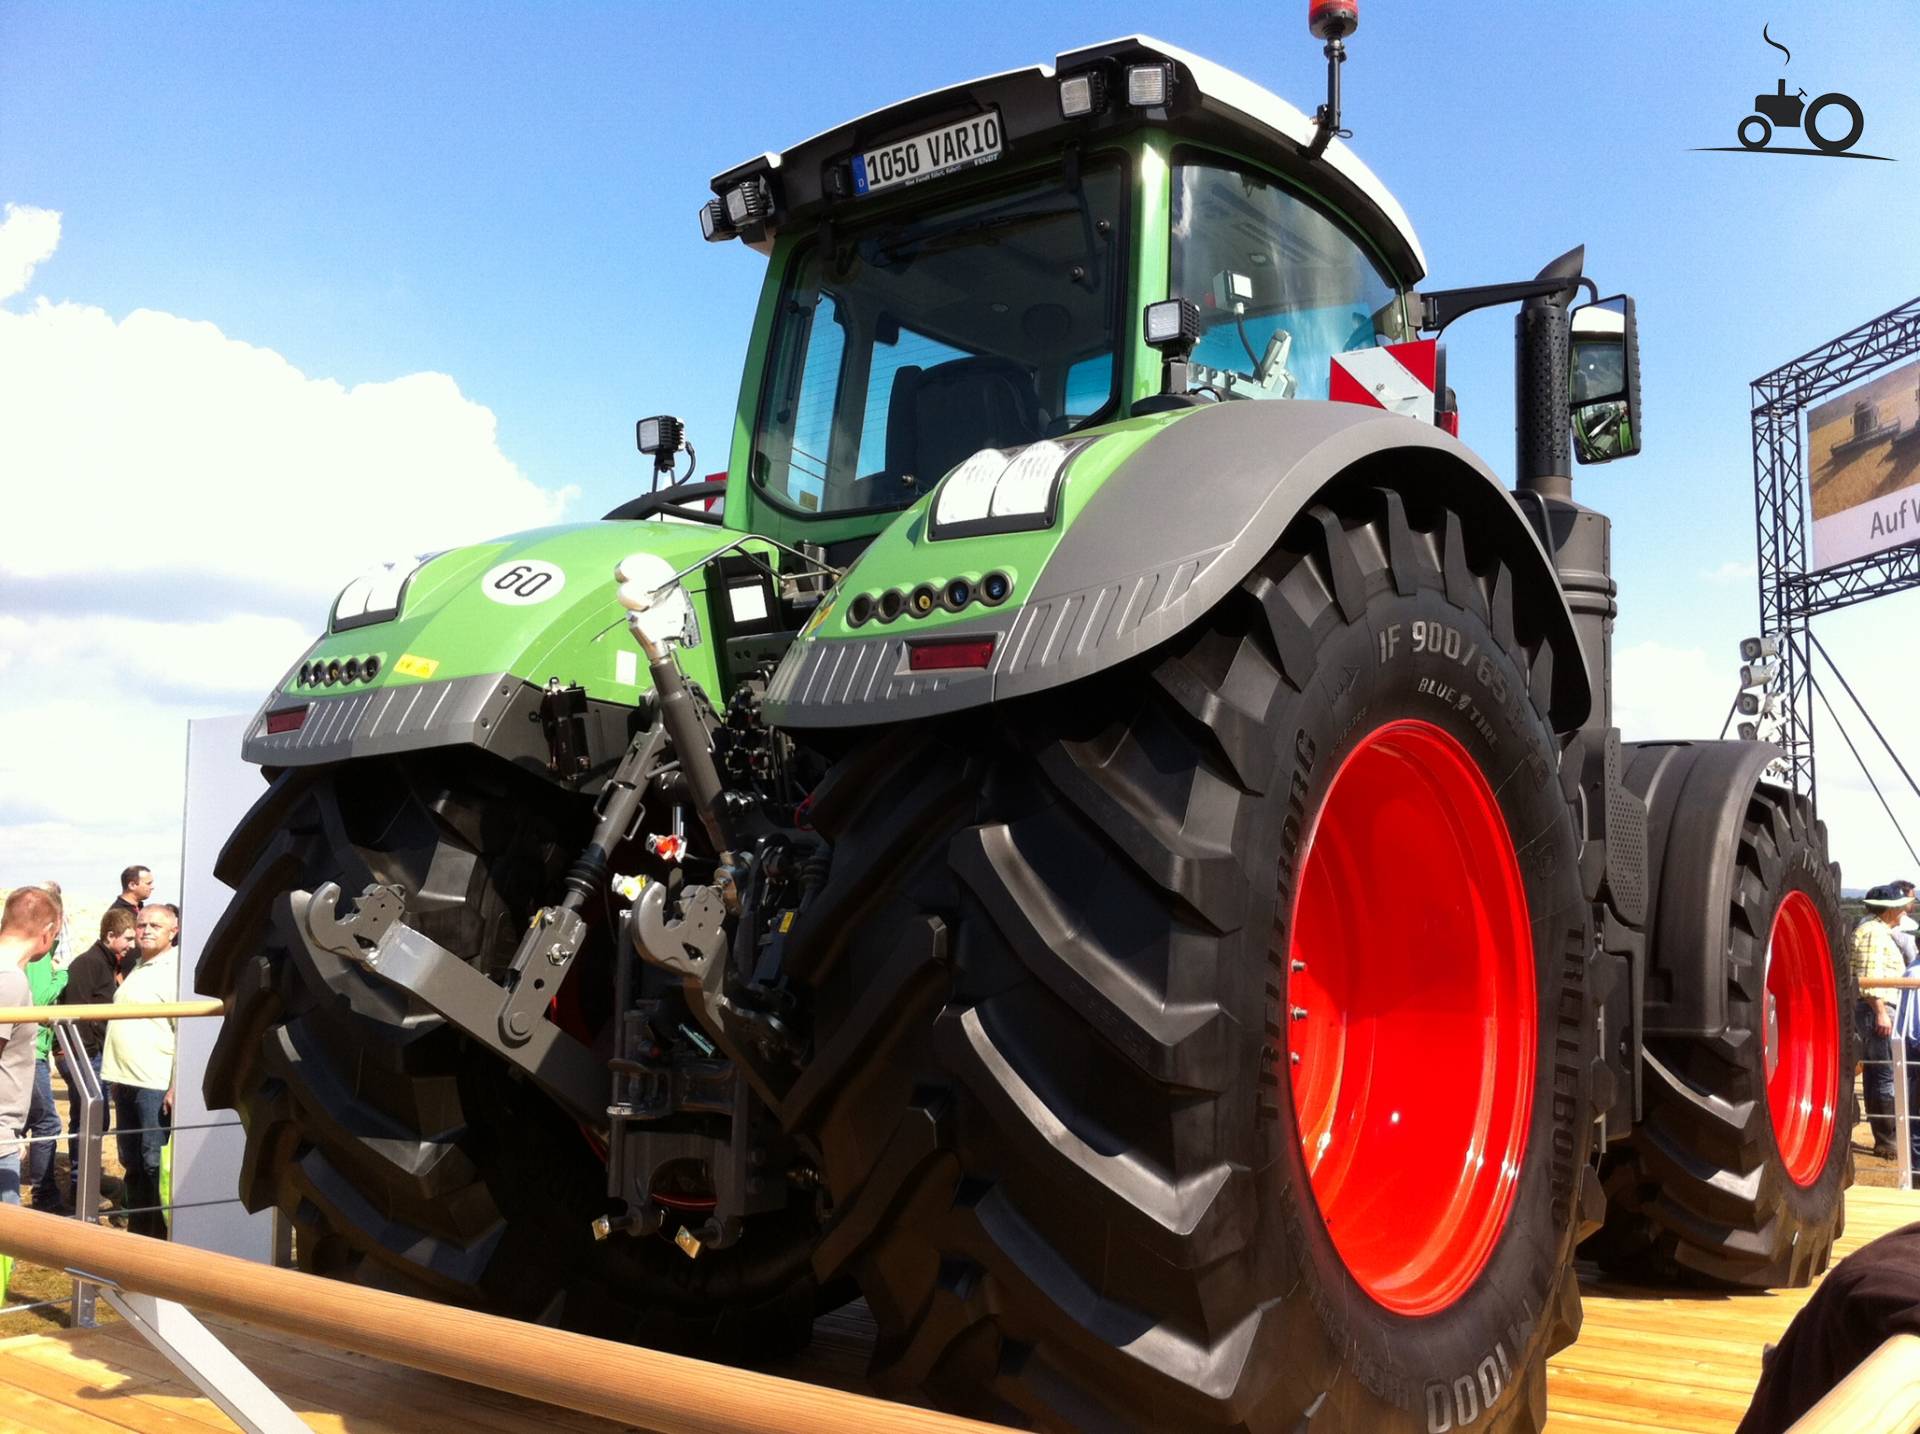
1877, 958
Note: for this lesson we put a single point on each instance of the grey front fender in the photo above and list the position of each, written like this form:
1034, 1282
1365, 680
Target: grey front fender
1165, 539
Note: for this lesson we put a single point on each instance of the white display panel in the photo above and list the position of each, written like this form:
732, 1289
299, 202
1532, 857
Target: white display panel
206, 1163
1863, 468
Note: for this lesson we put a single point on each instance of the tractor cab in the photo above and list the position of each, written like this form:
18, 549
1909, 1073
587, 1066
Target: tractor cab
969, 270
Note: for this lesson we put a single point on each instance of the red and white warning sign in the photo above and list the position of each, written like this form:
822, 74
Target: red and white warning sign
1397, 377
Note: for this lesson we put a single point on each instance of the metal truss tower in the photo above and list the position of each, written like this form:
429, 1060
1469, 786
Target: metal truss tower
1789, 594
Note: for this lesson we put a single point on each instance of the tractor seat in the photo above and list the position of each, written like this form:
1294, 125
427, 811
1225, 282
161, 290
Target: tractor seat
938, 416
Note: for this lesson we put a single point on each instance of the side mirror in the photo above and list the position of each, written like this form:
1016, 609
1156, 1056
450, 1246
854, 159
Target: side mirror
1605, 381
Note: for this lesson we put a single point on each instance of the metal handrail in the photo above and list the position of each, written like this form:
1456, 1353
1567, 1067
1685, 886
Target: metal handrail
644, 1387
89, 1131
1902, 1117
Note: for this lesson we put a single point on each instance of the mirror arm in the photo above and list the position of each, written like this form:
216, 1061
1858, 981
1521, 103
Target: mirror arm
1443, 306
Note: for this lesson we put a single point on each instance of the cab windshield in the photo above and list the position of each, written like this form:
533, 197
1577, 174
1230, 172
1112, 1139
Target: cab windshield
1280, 285
910, 344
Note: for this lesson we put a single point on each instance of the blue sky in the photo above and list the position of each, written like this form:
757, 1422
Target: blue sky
505, 195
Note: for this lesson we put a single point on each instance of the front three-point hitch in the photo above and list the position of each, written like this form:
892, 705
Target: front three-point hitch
684, 1086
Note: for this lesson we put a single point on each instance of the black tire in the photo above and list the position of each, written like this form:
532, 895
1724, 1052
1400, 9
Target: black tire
405, 1156
1700, 1193
1050, 1013
1764, 134
1838, 144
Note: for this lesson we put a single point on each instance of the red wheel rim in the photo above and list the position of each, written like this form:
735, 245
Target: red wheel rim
1412, 1019
1802, 1038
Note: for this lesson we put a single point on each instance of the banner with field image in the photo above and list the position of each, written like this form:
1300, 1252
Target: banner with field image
1863, 466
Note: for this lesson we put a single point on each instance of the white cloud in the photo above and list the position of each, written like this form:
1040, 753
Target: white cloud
1664, 692
182, 505
158, 443
28, 237
1734, 570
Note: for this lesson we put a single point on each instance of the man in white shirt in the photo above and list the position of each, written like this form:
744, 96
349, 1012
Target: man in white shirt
29, 925
138, 1063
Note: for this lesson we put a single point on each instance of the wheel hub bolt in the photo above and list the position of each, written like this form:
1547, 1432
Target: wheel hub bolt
1299, 1013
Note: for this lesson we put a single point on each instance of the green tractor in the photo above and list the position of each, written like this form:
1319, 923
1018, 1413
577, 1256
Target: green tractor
1110, 845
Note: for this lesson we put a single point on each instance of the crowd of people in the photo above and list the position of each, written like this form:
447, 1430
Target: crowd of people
135, 960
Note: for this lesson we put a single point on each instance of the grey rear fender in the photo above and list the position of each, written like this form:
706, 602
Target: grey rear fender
1697, 794
1168, 536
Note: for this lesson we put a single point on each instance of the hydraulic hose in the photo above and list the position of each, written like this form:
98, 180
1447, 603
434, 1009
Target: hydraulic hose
682, 722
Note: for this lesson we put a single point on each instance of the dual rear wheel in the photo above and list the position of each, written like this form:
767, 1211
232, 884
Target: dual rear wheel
1736, 1173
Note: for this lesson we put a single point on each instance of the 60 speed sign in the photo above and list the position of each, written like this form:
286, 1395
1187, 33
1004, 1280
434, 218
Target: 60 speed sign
523, 582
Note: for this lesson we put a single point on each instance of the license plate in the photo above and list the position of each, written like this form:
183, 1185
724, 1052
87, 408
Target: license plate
928, 156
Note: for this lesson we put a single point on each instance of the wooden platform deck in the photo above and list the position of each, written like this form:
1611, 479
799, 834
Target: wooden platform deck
1646, 1360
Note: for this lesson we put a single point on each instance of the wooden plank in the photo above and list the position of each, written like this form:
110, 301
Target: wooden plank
327, 1395
486, 1406
37, 1414
422, 1403
118, 1346
1653, 1362
1635, 1404
136, 1369
120, 1404
1561, 1422
629, 1383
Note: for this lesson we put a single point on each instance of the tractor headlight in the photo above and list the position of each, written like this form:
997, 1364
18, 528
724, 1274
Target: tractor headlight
1003, 491
375, 596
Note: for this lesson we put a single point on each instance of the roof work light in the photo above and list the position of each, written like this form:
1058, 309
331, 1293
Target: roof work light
1083, 94
1172, 326
748, 204
660, 438
713, 222
1150, 86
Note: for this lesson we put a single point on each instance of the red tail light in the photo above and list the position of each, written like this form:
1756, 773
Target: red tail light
953, 653
288, 719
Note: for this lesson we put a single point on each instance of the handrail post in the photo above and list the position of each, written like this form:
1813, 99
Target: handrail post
87, 1143
214, 1370
1902, 1117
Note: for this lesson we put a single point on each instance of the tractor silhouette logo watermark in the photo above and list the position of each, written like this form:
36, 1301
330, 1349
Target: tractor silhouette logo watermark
1832, 123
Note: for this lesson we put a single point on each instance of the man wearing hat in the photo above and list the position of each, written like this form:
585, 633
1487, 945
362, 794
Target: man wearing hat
1876, 957
1904, 930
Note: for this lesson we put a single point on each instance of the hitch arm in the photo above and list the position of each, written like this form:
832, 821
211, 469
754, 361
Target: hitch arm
453, 990
545, 953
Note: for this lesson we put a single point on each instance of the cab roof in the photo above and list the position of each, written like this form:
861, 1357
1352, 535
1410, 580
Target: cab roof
810, 181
